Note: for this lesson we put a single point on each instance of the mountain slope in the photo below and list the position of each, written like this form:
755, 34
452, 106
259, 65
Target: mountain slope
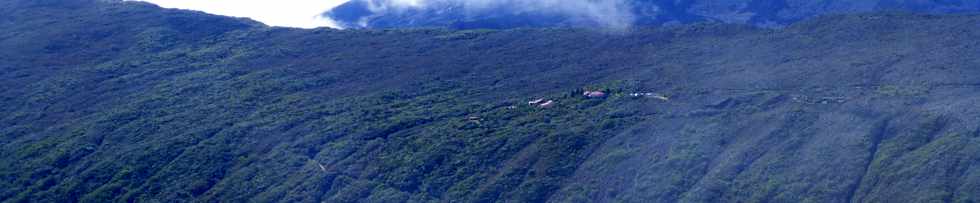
130, 102
468, 14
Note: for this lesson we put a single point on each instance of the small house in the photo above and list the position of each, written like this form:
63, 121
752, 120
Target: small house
594, 94
548, 104
536, 101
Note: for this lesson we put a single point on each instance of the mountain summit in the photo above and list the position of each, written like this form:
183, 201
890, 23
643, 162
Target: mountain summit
612, 13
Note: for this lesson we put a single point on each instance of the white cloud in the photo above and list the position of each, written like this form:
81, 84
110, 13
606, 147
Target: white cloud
285, 13
609, 13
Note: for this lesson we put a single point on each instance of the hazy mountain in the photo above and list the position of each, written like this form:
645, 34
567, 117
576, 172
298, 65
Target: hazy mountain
127, 102
613, 13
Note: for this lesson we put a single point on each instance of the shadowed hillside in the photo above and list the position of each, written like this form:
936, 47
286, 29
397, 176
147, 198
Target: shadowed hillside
107, 102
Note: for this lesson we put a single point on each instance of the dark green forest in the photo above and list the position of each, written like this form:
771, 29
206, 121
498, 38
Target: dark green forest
105, 101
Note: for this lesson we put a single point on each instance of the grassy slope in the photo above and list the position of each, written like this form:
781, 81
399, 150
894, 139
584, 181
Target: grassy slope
129, 102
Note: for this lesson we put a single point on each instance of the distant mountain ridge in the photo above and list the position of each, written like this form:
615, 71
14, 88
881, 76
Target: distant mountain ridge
517, 13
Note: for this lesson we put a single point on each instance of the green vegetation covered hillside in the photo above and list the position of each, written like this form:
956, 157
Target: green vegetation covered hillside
126, 102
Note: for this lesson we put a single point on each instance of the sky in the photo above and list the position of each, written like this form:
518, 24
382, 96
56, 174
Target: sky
285, 13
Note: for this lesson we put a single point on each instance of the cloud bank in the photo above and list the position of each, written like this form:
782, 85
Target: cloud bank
606, 13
